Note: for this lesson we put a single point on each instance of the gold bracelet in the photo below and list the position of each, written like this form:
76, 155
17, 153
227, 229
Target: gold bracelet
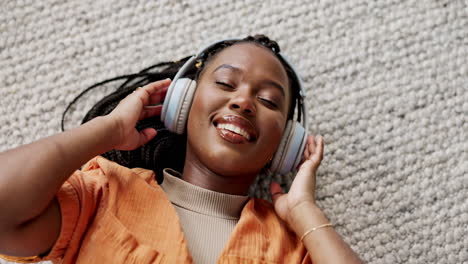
21, 259
315, 228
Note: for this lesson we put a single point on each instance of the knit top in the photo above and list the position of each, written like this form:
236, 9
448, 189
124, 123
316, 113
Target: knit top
207, 217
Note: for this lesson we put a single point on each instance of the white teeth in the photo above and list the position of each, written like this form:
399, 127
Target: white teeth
235, 129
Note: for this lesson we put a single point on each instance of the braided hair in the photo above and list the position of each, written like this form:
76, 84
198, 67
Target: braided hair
167, 149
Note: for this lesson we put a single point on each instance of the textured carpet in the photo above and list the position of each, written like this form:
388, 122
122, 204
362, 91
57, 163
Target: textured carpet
386, 80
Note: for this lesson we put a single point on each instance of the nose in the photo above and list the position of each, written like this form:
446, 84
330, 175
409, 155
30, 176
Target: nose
242, 102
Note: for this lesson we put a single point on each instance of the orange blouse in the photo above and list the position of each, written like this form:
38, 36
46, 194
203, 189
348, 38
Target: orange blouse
113, 214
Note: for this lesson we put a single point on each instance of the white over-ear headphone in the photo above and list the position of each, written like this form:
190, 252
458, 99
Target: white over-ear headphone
179, 99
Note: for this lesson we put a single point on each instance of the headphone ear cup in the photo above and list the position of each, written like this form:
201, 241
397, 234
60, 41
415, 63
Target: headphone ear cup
290, 150
177, 104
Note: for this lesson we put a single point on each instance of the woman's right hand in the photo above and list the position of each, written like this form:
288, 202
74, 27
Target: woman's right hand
134, 108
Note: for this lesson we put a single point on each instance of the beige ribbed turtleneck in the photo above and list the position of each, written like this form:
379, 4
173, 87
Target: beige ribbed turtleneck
207, 217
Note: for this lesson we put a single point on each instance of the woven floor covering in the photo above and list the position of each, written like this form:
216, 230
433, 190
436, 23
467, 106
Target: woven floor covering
386, 81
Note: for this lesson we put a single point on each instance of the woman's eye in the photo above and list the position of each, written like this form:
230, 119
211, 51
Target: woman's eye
226, 85
268, 102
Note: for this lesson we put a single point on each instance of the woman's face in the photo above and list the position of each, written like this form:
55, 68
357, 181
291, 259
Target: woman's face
239, 110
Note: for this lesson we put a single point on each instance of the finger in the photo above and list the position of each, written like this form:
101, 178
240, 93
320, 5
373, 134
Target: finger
139, 94
158, 96
150, 111
146, 135
275, 191
145, 92
307, 152
312, 145
317, 156
319, 148
158, 85
318, 144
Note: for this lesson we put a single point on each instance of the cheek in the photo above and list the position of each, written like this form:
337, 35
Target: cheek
197, 124
274, 128
204, 103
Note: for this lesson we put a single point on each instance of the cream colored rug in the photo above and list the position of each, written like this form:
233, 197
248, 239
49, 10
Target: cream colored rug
387, 86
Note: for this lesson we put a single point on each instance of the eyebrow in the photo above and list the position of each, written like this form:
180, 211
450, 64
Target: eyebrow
227, 66
233, 68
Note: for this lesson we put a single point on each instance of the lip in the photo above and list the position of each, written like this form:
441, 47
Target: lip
241, 122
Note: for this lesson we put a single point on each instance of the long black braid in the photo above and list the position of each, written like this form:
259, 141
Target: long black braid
167, 149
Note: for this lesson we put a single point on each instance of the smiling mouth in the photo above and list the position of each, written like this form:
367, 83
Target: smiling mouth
235, 129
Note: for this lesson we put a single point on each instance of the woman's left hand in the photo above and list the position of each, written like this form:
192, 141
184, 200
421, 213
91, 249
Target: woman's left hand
299, 210
302, 191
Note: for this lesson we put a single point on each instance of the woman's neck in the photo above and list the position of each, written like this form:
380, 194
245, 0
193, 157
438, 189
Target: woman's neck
198, 174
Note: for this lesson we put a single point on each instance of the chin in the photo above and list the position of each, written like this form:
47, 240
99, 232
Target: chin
226, 159
235, 165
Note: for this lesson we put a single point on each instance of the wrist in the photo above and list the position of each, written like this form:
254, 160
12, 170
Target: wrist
305, 216
114, 131
108, 130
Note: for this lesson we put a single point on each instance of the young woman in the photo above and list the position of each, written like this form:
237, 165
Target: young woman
198, 213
